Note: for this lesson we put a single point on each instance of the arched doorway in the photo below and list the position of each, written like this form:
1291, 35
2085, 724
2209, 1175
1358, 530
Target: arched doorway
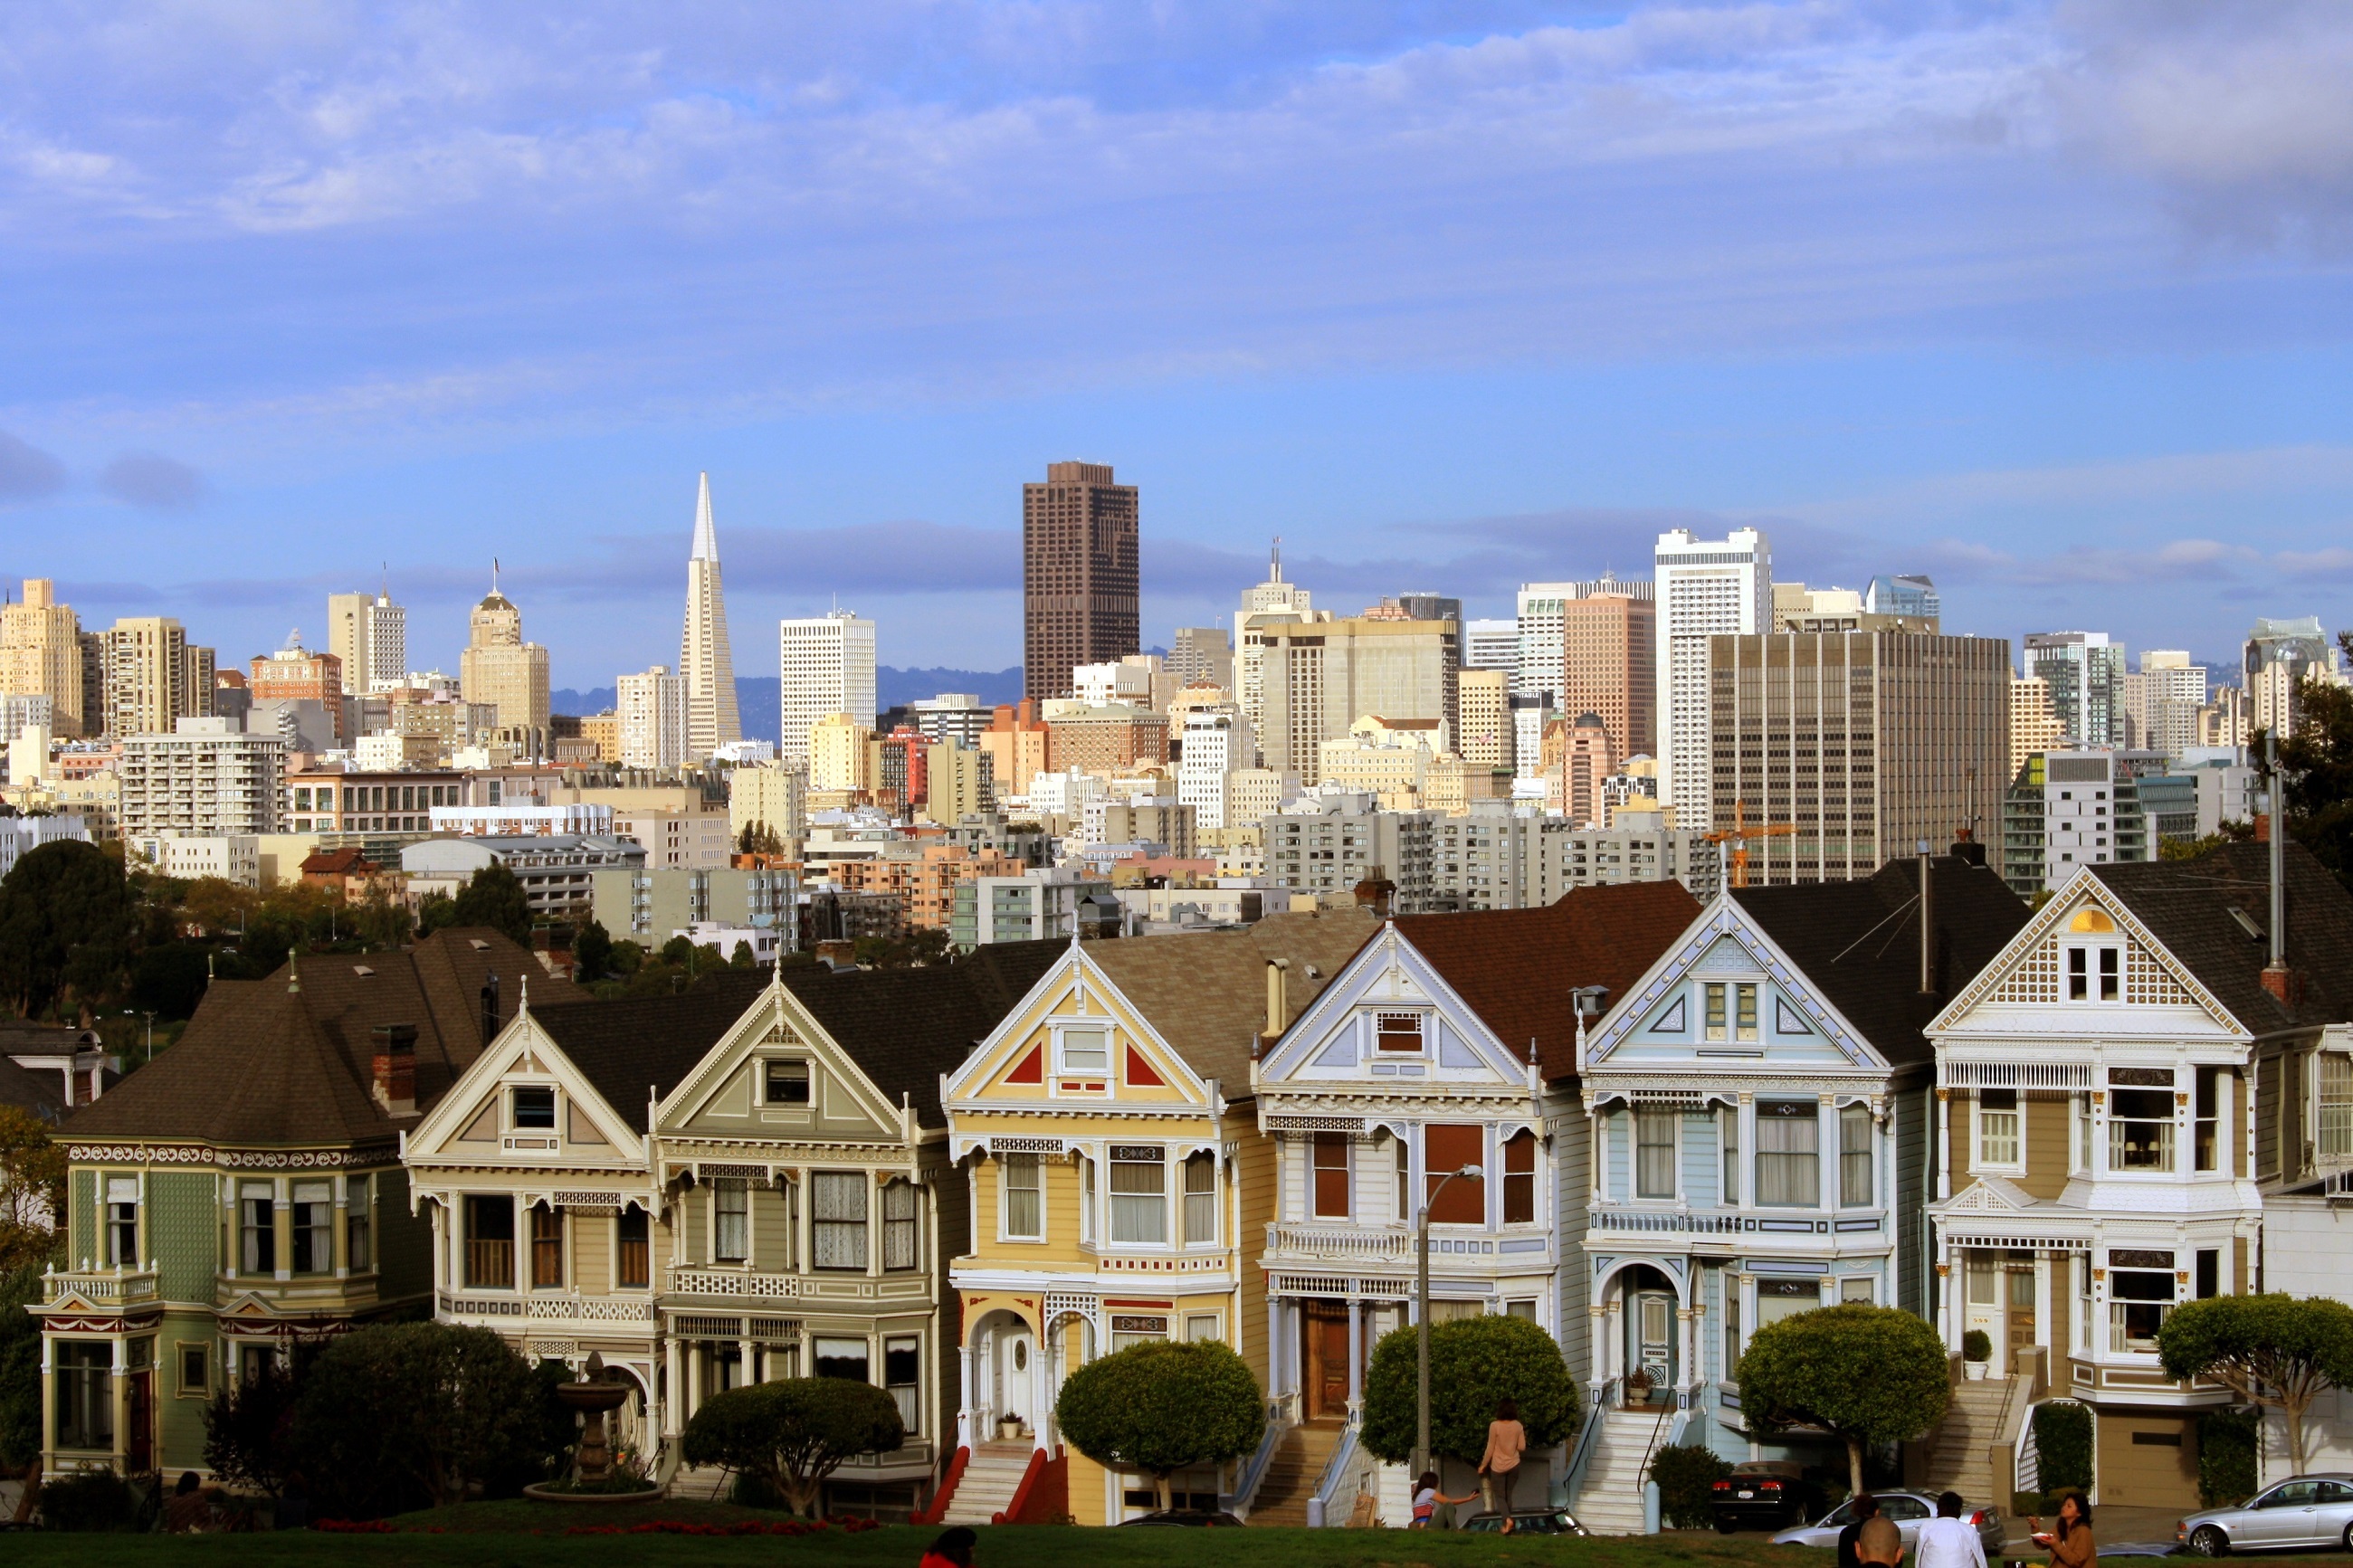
1648, 1322
1002, 1361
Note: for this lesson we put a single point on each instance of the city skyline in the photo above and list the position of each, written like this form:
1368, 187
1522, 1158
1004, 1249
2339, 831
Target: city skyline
1937, 292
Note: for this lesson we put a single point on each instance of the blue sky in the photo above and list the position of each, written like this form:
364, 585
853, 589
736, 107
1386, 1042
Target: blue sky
2051, 301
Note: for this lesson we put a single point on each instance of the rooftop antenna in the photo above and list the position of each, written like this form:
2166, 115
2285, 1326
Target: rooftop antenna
1274, 564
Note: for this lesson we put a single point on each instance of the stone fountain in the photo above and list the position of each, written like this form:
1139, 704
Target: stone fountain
593, 1396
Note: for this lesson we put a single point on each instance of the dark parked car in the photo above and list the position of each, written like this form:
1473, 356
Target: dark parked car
1530, 1521
1771, 1493
1188, 1517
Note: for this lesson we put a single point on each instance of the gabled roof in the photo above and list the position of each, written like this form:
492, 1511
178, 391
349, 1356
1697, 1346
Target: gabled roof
38, 1092
902, 1027
270, 1062
1205, 992
2186, 905
1858, 944
1516, 967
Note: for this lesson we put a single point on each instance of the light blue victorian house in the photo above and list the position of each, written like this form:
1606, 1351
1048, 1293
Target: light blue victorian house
1761, 1111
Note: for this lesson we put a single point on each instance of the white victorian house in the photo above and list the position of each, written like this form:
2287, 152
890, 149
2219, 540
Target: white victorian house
1761, 1105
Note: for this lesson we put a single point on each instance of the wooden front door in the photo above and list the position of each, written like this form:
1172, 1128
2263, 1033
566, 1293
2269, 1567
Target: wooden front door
1327, 1358
140, 1453
2018, 1295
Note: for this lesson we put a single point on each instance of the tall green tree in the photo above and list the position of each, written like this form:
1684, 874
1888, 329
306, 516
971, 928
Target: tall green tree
1474, 1364
592, 953
2273, 1351
1867, 1376
32, 1189
494, 898
20, 1372
412, 1415
2316, 761
1163, 1407
68, 923
791, 1435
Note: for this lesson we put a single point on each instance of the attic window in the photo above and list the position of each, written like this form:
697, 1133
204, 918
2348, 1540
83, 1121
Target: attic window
362, 970
477, 944
534, 1106
1397, 1031
789, 1083
2247, 923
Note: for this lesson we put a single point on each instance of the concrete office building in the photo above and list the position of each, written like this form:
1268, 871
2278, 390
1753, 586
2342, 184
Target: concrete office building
295, 674
1610, 654
557, 871
1540, 626
1317, 678
41, 655
656, 727
1215, 745
1483, 699
2161, 700
2280, 656
2085, 673
19, 833
955, 716
368, 635
1079, 574
1044, 904
706, 661
644, 904
1864, 742
1704, 590
2070, 809
1272, 603
202, 779
500, 668
2033, 723
1201, 656
1912, 597
1491, 644
827, 664
773, 797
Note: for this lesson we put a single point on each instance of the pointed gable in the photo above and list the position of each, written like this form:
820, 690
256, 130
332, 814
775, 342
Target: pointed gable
2212, 916
1388, 1014
1516, 968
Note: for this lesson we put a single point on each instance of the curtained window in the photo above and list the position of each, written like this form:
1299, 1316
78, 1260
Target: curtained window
1788, 1153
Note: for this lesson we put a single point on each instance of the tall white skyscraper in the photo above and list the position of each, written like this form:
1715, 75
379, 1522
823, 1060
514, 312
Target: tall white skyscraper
370, 634
1491, 644
1703, 588
1217, 745
652, 712
1272, 603
827, 665
704, 661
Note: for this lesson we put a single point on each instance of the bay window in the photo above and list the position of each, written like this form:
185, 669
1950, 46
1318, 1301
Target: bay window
731, 1220
1025, 1197
2336, 1126
1998, 1125
257, 1209
2140, 1118
1520, 1178
1331, 1175
122, 1221
359, 1223
1201, 1198
2140, 1297
1139, 1194
313, 1218
1855, 1157
1654, 1152
899, 1229
1447, 1149
1788, 1153
837, 1220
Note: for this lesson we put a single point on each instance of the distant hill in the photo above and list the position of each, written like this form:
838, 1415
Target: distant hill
756, 696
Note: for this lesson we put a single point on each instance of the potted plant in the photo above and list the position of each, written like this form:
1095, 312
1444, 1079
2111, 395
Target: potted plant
1008, 1428
1638, 1387
1977, 1351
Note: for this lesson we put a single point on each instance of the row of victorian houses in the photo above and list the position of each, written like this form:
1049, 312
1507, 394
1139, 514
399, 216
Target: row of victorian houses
958, 1182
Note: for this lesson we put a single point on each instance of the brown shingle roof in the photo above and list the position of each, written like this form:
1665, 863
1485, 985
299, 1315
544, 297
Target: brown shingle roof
1205, 992
1516, 967
2186, 905
263, 1063
41, 1093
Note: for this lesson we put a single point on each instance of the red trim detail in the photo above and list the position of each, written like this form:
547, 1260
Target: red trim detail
937, 1508
1044, 1494
1021, 1492
1030, 1068
1139, 1071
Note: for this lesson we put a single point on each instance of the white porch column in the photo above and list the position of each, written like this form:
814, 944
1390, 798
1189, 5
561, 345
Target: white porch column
693, 1382
964, 1401
1687, 1331
1274, 1379
673, 1389
1356, 1356
1941, 1109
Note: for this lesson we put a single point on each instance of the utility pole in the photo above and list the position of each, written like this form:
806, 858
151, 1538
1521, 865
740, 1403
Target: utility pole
1421, 1320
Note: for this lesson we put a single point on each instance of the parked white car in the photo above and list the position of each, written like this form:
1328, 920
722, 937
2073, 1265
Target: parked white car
2303, 1510
1909, 1511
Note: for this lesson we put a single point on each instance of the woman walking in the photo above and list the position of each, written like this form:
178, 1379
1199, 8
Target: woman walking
1507, 1441
2072, 1546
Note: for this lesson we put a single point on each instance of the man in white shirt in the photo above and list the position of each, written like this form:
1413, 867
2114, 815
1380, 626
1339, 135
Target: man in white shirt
1948, 1541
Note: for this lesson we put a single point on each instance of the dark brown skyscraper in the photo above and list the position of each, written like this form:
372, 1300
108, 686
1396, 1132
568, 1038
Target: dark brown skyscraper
1078, 574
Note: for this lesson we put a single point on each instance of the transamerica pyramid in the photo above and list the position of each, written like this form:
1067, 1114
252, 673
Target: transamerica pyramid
703, 658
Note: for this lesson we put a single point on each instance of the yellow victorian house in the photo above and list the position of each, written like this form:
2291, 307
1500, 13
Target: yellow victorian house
1121, 1190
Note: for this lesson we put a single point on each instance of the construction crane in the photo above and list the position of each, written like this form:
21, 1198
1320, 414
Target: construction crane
1736, 863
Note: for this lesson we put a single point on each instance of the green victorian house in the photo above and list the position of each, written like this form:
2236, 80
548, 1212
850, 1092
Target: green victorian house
245, 1193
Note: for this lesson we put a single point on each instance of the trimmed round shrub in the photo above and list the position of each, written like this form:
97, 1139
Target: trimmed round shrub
1474, 1364
1163, 1407
1687, 1474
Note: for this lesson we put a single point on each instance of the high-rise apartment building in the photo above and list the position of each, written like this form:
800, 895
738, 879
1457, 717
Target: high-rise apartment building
500, 668
1609, 652
1019, 744
1539, 667
2085, 672
828, 667
369, 634
154, 678
706, 663
1274, 602
2162, 699
1201, 656
41, 656
1317, 678
1491, 644
1864, 744
2033, 723
840, 753
1080, 580
1215, 746
1579, 759
295, 674
1483, 699
654, 727
200, 779
1703, 590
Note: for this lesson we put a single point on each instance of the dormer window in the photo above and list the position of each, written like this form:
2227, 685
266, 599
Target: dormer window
2095, 969
1084, 1051
788, 1083
1398, 1032
535, 1108
1739, 1003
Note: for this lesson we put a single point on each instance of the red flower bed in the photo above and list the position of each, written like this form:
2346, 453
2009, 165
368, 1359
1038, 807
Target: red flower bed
741, 1527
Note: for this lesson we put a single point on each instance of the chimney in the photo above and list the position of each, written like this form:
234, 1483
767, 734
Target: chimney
490, 1008
838, 953
1966, 847
1376, 893
1278, 1003
2262, 828
1927, 925
395, 1067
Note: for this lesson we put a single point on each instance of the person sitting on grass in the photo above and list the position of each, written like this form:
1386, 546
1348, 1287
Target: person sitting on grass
951, 1550
1426, 1500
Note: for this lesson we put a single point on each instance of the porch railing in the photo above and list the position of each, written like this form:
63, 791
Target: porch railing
490, 1265
102, 1287
1338, 1241
1253, 1470
1598, 1400
1676, 1221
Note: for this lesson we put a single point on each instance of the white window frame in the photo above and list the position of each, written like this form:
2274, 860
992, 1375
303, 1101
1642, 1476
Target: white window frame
1062, 1032
1985, 1128
1674, 1120
2094, 971
554, 1127
1036, 1165
809, 1078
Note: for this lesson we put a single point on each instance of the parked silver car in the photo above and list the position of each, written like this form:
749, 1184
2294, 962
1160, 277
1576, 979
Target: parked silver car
1909, 1511
2305, 1510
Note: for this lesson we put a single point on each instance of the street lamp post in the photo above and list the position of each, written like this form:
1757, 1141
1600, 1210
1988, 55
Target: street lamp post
136, 1013
1421, 1320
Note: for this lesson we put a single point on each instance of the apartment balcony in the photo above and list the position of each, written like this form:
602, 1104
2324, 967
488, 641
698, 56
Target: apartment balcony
1389, 1249
1666, 1219
545, 1308
100, 1291
1339, 1243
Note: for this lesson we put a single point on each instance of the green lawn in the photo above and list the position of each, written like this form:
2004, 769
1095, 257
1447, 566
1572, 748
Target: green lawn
499, 1535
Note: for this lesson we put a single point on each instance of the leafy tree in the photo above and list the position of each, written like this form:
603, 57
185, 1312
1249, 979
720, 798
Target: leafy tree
742, 957
1161, 1408
435, 912
68, 919
169, 981
2063, 1440
1867, 1376
20, 1369
2271, 1351
494, 898
1474, 1364
32, 1189
1687, 1474
678, 950
790, 1434
249, 1429
758, 839
401, 1416
592, 953
2191, 848
2317, 761
2227, 1445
